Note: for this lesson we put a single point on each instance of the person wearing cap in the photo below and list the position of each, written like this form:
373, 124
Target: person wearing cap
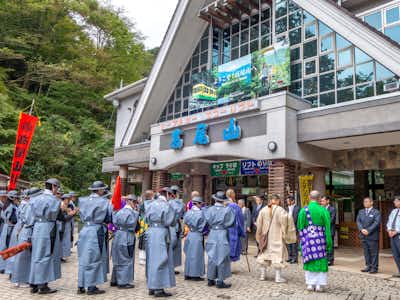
123, 244
22, 261
95, 213
176, 231
159, 254
194, 242
43, 212
219, 219
9, 216
69, 214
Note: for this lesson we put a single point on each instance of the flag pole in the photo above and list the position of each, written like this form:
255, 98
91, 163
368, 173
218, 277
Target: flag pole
31, 109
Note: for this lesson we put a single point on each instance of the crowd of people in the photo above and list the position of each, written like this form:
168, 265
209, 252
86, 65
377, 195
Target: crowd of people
37, 229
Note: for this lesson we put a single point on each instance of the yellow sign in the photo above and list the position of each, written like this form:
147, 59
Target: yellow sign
306, 186
344, 232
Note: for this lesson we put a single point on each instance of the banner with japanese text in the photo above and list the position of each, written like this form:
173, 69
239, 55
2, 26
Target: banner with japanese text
306, 186
26, 129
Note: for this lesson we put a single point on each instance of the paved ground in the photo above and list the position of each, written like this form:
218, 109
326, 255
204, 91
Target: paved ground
342, 284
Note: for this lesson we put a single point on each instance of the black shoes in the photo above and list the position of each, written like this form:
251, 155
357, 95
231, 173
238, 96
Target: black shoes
366, 270
81, 291
46, 290
113, 284
34, 290
177, 273
126, 286
63, 260
95, 291
151, 292
211, 282
162, 294
223, 285
194, 278
373, 272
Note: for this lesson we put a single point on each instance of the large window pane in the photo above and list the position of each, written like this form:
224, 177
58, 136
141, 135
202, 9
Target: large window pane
380, 85
265, 15
235, 40
392, 15
341, 42
382, 72
310, 67
323, 29
344, 58
265, 28
244, 37
375, 20
310, 31
295, 54
345, 77
327, 62
295, 36
313, 100
254, 33
295, 19
327, 82
293, 6
310, 86
307, 17
327, 43
245, 24
281, 25
281, 8
345, 95
296, 88
310, 49
265, 41
360, 56
327, 99
365, 72
296, 71
393, 32
365, 91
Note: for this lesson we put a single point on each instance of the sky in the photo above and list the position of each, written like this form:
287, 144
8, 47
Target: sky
151, 17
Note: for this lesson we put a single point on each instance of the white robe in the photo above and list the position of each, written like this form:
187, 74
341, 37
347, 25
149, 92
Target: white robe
316, 278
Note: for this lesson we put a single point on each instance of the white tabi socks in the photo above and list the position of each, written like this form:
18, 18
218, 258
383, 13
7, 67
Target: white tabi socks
278, 276
263, 273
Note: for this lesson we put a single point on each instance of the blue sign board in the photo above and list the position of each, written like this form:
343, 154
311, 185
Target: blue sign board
233, 132
254, 167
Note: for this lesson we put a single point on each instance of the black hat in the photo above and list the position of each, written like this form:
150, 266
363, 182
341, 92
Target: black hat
220, 196
175, 188
13, 195
197, 199
98, 185
131, 198
53, 181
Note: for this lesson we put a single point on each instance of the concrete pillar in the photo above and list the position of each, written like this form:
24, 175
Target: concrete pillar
160, 179
319, 179
281, 178
198, 184
147, 180
361, 188
123, 174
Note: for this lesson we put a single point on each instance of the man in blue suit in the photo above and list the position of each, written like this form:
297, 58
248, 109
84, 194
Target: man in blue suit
259, 205
368, 223
326, 202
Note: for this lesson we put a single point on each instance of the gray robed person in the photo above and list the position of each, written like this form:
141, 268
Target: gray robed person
5, 204
219, 218
95, 213
66, 241
42, 213
159, 257
123, 244
9, 215
194, 242
22, 261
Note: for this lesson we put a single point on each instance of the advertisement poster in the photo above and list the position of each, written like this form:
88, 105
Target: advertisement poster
306, 186
230, 168
251, 76
254, 167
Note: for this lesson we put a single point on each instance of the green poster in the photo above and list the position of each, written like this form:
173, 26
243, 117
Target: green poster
177, 176
225, 169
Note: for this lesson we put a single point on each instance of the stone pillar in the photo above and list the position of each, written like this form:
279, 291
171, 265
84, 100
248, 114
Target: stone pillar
361, 189
160, 179
147, 180
123, 174
281, 178
187, 187
198, 184
207, 189
319, 179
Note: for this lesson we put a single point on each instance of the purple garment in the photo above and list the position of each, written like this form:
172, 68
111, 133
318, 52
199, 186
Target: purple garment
236, 232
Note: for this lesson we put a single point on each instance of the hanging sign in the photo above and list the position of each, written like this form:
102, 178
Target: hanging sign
224, 169
26, 129
254, 167
306, 186
177, 176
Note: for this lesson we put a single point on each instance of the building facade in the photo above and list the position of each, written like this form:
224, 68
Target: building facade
314, 91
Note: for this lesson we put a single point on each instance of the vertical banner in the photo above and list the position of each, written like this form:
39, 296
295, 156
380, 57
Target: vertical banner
26, 129
306, 186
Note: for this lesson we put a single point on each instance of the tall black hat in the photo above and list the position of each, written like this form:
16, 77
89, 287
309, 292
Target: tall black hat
98, 185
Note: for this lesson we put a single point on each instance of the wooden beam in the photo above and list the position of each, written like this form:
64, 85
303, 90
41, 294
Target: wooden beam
208, 19
228, 11
218, 15
240, 7
253, 4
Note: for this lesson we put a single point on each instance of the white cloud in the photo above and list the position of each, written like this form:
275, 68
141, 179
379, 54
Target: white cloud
151, 17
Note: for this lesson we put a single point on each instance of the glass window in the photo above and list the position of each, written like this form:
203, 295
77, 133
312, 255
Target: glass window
186, 104
327, 43
310, 30
254, 33
204, 44
296, 88
204, 58
392, 15
281, 8
375, 20
295, 19
295, 54
345, 77
313, 100
393, 32
310, 86
307, 17
244, 50
310, 49
178, 106
344, 58
382, 72
244, 24
365, 72
265, 41
295, 36
235, 40
170, 108
341, 42
244, 37
235, 28
323, 29
293, 6
380, 85
310, 67
360, 56
255, 19
327, 99
345, 95
327, 82
235, 53
281, 25
265, 15
327, 62
253, 46
364, 91
296, 72
186, 91
195, 61
265, 28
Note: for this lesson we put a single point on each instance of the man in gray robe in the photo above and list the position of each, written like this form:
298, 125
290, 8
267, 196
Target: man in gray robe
219, 218
123, 244
42, 213
9, 215
194, 242
159, 257
95, 213
68, 226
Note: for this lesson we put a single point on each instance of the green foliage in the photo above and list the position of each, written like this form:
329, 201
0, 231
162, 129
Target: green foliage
66, 54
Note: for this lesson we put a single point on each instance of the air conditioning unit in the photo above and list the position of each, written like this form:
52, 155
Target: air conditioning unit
391, 86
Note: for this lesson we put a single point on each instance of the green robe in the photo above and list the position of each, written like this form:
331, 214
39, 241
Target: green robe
320, 216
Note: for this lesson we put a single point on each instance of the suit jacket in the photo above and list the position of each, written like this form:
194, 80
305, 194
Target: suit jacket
295, 214
332, 212
255, 213
370, 222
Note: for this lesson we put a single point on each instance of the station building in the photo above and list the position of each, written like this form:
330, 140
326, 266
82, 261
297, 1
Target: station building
334, 116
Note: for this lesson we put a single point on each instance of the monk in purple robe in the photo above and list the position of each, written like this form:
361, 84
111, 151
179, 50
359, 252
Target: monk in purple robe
237, 231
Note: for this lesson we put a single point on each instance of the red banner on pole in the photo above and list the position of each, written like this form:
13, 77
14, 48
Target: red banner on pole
26, 128
116, 198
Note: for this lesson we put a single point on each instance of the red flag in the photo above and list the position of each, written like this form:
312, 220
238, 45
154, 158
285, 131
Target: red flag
26, 128
116, 198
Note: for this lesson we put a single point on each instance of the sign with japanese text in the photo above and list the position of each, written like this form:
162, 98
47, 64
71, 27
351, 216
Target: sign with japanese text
224, 169
177, 176
254, 167
306, 186
26, 129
